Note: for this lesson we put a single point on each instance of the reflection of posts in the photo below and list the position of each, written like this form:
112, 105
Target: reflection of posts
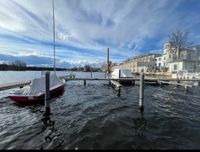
141, 96
119, 92
140, 125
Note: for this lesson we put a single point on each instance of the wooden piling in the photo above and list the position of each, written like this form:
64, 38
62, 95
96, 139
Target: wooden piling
109, 82
141, 95
47, 93
186, 88
84, 82
91, 74
108, 62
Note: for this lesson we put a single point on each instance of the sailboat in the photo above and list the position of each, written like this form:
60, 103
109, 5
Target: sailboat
36, 90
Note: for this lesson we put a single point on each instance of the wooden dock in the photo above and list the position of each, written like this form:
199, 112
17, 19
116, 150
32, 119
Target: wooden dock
146, 80
14, 85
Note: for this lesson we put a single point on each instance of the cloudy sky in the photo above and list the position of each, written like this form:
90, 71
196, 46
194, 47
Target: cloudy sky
85, 28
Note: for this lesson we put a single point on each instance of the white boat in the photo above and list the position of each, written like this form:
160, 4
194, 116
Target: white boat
35, 92
122, 74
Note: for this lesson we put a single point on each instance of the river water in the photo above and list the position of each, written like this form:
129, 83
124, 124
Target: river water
96, 117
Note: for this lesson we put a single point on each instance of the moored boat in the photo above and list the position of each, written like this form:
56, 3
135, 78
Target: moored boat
35, 92
122, 74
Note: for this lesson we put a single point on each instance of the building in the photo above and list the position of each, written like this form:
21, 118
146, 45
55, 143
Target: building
142, 63
187, 60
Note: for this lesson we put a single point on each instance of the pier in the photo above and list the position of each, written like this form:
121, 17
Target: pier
141, 81
146, 81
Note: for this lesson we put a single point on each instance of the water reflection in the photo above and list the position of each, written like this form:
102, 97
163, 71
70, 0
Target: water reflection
51, 134
119, 92
140, 125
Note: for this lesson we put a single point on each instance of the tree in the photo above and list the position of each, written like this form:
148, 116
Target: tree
178, 40
87, 68
19, 65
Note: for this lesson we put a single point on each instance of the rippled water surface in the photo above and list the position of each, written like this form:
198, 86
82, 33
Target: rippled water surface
96, 117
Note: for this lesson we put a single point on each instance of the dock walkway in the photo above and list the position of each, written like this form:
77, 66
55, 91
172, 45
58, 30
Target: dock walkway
147, 80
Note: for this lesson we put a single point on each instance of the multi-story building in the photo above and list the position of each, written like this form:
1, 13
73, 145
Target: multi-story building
187, 60
143, 63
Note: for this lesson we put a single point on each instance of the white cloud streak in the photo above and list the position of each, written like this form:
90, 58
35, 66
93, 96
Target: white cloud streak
86, 27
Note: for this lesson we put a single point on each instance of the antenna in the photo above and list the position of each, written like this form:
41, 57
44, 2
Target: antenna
54, 38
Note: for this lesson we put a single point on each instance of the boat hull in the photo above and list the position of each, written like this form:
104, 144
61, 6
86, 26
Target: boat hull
34, 99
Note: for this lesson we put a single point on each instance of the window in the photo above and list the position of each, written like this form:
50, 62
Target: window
159, 64
175, 67
170, 56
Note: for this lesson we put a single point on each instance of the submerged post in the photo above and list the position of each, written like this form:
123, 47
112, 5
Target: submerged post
47, 93
141, 95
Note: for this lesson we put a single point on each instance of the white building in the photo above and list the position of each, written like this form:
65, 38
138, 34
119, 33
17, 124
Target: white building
188, 60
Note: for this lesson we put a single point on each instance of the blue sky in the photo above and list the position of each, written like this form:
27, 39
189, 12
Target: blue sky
85, 28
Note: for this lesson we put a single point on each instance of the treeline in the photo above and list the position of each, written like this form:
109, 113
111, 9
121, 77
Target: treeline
21, 66
86, 68
6, 67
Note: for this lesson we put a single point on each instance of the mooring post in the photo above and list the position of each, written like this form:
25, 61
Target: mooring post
178, 81
108, 62
91, 74
84, 82
186, 87
141, 96
109, 82
47, 93
119, 92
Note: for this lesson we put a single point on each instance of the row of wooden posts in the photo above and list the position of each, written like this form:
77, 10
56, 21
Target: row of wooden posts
47, 92
141, 90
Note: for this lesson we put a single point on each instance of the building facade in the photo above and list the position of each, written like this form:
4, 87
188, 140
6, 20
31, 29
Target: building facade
143, 63
188, 60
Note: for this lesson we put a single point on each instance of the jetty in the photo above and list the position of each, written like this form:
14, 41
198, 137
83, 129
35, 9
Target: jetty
113, 81
14, 85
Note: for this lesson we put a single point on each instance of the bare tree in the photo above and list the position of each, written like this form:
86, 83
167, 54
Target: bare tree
178, 40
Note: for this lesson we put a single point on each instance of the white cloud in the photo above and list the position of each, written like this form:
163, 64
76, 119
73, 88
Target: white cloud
123, 26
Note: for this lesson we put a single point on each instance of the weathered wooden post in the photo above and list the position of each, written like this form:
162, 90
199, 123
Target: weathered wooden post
141, 95
178, 81
109, 82
186, 88
90, 72
47, 93
108, 62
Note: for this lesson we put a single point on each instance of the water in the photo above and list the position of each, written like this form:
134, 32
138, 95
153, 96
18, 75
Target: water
95, 117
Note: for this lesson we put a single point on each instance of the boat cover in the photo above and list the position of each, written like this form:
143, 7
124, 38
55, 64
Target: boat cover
37, 86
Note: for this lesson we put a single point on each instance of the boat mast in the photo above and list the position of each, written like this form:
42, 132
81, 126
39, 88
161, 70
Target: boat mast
54, 38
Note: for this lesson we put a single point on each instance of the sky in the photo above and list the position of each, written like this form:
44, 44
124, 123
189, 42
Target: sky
86, 28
